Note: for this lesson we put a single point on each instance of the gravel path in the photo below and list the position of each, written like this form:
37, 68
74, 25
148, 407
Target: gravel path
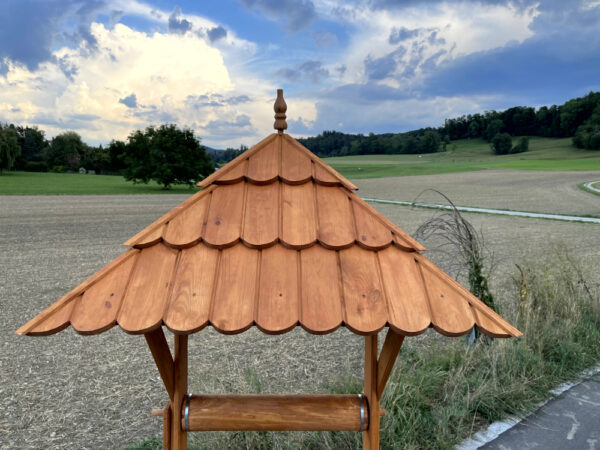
553, 192
71, 391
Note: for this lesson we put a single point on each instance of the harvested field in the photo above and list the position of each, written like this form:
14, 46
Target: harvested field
520, 190
70, 391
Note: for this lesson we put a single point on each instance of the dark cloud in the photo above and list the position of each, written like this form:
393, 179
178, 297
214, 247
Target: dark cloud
308, 70
69, 69
341, 69
115, 16
214, 100
384, 67
176, 24
29, 29
240, 126
402, 34
433, 39
295, 14
130, 101
216, 33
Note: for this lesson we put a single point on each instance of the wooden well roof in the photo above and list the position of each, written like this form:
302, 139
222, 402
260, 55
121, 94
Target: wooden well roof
276, 239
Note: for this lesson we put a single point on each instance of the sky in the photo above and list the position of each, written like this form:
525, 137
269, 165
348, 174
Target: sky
104, 68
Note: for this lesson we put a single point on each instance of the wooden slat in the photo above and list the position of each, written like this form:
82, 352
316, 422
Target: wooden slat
321, 298
336, 222
224, 222
185, 229
406, 296
234, 175
54, 307
162, 357
231, 165
370, 231
387, 358
324, 177
180, 386
189, 307
261, 218
451, 314
371, 435
97, 310
235, 293
296, 166
147, 294
488, 326
263, 166
364, 298
298, 228
57, 321
278, 290
153, 237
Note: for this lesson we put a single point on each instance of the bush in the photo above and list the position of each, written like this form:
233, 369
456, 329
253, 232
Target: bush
502, 144
522, 146
59, 169
587, 136
35, 166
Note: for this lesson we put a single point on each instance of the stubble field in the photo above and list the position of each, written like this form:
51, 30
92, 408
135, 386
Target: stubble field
70, 391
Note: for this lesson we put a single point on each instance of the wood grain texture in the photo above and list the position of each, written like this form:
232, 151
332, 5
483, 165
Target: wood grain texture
371, 233
278, 290
487, 325
261, 218
263, 166
152, 237
235, 291
191, 299
336, 223
148, 291
324, 176
407, 299
55, 322
296, 166
371, 435
237, 173
451, 314
97, 310
224, 221
161, 354
185, 229
180, 386
298, 215
268, 412
167, 424
387, 358
364, 299
321, 297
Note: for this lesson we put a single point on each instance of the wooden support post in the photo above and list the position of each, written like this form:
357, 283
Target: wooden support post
167, 420
180, 385
371, 435
162, 357
387, 358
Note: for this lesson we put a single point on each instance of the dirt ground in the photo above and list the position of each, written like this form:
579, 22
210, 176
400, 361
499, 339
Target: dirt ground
522, 190
71, 391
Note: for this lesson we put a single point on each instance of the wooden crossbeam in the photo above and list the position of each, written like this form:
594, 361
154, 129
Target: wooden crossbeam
387, 358
162, 357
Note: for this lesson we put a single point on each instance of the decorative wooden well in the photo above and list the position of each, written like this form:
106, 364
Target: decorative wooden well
276, 238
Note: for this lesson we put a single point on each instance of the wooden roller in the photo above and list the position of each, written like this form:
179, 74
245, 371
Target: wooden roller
266, 412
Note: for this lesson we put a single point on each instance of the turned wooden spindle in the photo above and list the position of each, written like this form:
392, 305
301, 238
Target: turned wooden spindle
280, 109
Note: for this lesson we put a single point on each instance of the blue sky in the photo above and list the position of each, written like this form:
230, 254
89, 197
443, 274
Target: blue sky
104, 68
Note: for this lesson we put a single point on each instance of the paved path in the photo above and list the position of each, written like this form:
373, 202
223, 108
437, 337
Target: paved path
570, 421
501, 212
590, 185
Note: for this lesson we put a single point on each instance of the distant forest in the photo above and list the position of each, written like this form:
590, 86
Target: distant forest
578, 118
26, 148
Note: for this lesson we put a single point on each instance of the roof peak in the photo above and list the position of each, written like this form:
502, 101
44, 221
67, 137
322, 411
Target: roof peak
280, 108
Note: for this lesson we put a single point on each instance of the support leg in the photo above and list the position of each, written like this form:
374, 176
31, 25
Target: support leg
167, 419
371, 435
180, 385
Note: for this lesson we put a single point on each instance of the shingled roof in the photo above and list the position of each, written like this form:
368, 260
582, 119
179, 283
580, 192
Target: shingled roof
276, 238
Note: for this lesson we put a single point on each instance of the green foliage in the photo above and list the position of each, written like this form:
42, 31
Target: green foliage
9, 148
34, 148
588, 134
501, 144
167, 155
522, 146
66, 149
493, 129
430, 143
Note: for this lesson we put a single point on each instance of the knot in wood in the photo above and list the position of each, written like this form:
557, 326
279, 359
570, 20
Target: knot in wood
280, 108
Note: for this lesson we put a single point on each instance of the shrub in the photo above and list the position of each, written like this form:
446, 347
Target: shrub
522, 145
502, 144
35, 166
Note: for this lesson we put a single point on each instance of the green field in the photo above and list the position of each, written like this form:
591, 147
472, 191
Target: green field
470, 154
33, 183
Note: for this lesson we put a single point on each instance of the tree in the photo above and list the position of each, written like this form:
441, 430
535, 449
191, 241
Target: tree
67, 150
493, 128
522, 145
9, 148
502, 144
167, 155
430, 142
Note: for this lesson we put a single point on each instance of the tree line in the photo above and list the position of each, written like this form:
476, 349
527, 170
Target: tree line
578, 118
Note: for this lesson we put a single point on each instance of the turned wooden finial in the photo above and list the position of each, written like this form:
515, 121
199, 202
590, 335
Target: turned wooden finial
280, 108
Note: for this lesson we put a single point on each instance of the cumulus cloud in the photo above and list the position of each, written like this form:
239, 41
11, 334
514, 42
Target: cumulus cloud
177, 24
216, 33
130, 101
294, 14
401, 34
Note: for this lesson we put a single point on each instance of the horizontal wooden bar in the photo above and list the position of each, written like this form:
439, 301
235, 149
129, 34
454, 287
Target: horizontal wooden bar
267, 412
